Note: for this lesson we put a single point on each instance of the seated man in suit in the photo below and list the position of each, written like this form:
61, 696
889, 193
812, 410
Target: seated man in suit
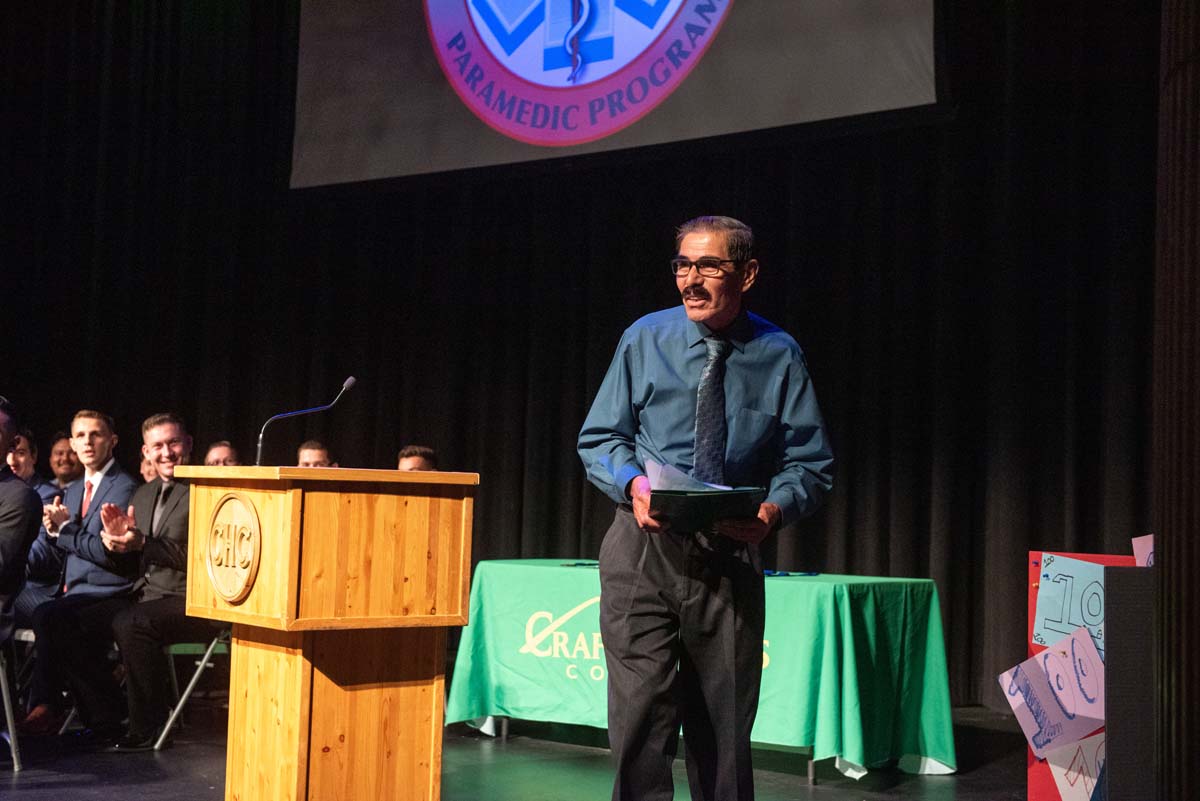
72, 527
312, 453
44, 568
20, 514
151, 538
64, 464
416, 457
221, 453
146, 468
23, 461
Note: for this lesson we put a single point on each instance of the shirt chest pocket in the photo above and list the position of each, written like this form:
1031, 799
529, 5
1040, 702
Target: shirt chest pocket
749, 431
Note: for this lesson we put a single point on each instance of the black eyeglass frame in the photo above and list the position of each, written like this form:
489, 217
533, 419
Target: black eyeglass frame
711, 269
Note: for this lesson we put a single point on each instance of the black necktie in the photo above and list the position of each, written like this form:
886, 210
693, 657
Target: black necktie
710, 414
159, 505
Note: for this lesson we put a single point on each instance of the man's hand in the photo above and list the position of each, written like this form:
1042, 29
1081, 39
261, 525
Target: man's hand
752, 529
120, 533
54, 515
639, 491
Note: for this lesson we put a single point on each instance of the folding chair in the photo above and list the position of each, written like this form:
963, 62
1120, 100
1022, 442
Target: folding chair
10, 720
22, 665
219, 644
23, 671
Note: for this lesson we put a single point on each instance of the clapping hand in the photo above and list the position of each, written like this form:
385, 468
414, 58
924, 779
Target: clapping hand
54, 515
120, 533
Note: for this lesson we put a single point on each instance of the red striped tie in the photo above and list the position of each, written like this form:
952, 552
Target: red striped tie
87, 498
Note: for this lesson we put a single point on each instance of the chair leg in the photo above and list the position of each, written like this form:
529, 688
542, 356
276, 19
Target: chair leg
66, 724
10, 722
173, 680
172, 677
191, 685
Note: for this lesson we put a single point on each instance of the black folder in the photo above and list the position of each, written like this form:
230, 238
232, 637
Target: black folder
697, 510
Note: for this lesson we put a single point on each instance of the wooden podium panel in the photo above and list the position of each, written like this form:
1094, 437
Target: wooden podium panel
270, 688
390, 682
339, 548
367, 570
347, 714
340, 584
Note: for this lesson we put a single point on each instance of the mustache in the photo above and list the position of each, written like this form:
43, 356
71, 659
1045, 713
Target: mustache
696, 293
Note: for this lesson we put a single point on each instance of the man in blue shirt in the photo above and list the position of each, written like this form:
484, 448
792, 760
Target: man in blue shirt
681, 612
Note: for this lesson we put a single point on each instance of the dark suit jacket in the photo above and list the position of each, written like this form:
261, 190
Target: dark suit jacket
89, 568
20, 516
162, 566
45, 565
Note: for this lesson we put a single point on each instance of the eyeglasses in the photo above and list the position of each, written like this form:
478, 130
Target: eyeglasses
708, 266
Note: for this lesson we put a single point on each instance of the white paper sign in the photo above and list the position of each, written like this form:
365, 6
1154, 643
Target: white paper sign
1070, 595
1076, 767
1058, 695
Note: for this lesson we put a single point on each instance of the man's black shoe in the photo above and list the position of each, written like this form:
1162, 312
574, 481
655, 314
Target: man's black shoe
96, 737
135, 743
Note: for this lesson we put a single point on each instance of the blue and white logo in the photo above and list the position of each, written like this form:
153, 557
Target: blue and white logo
563, 72
569, 42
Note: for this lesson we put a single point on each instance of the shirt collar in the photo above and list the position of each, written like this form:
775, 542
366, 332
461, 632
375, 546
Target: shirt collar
94, 479
739, 332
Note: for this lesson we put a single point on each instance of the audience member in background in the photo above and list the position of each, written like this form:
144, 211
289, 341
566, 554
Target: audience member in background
44, 566
221, 453
148, 539
23, 461
20, 513
73, 528
147, 470
312, 453
416, 457
64, 464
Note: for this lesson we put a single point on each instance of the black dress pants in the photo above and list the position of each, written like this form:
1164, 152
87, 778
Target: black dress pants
74, 636
141, 630
682, 628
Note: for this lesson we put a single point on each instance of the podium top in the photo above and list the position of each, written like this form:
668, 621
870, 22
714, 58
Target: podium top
276, 472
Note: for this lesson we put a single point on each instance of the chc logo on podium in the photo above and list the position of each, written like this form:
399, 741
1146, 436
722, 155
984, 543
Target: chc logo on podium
234, 547
564, 72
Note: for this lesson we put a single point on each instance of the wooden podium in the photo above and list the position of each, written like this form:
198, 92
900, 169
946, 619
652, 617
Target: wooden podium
340, 585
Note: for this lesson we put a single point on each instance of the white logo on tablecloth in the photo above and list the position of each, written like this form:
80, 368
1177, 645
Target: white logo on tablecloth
551, 641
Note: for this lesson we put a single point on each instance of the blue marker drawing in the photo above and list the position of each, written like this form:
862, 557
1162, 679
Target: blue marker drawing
1070, 594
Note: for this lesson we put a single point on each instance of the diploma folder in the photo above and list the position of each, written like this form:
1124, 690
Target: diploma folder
697, 510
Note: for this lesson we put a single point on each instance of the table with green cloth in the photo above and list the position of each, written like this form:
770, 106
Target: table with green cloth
854, 667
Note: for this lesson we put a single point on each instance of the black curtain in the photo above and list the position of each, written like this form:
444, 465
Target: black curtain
972, 287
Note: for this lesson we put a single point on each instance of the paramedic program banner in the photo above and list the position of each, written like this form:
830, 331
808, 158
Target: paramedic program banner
388, 88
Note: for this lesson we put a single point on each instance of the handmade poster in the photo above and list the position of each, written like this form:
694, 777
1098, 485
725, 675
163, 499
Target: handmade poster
1039, 782
1070, 594
1076, 767
1058, 695
1143, 551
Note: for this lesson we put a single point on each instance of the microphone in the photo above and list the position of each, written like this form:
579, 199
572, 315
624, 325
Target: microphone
349, 382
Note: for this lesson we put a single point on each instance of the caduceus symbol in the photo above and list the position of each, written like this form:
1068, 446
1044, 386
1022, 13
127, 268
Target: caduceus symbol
580, 11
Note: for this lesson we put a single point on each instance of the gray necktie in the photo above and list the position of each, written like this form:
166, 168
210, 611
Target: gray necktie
710, 414
159, 505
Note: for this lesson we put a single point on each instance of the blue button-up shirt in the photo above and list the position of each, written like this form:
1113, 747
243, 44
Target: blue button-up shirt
646, 409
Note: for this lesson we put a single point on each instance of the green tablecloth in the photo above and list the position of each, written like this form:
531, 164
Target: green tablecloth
853, 667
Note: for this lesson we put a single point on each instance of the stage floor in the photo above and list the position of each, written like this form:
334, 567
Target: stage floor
539, 762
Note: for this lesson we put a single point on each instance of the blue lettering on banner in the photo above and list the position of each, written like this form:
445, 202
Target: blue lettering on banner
604, 109
539, 116
704, 9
